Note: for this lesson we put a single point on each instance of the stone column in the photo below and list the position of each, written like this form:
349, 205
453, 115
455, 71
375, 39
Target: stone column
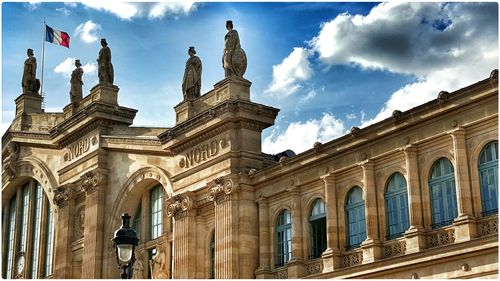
226, 229
465, 228
331, 256
247, 231
264, 270
182, 209
93, 183
371, 246
296, 264
62, 249
415, 235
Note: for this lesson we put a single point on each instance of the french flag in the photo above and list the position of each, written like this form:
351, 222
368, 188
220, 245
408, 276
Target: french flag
56, 37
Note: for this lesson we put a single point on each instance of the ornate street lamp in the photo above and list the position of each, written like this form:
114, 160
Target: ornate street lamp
124, 242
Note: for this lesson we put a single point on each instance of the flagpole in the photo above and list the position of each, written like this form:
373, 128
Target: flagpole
43, 60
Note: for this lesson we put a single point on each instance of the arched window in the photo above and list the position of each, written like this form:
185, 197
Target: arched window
488, 177
396, 205
212, 256
25, 212
443, 193
317, 224
156, 199
283, 238
355, 217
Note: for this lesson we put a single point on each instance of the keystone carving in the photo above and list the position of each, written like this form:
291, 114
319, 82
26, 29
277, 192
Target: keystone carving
221, 187
10, 160
178, 205
62, 195
91, 180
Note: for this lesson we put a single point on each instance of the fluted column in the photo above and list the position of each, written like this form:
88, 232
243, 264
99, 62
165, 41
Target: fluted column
331, 256
371, 246
62, 254
465, 225
182, 209
263, 272
93, 184
296, 264
415, 235
225, 198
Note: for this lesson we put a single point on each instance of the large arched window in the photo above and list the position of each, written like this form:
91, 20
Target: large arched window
212, 256
27, 237
355, 217
396, 205
443, 193
283, 238
317, 224
488, 177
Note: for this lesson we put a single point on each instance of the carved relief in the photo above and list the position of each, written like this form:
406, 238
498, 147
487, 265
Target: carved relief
315, 267
62, 194
221, 191
489, 227
79, 224
201, 153
91, 180
395, 249
352, 259
442, 237
10, 160
80, 148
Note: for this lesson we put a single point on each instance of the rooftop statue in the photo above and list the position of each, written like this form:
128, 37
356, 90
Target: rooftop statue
191, 83
29, 82
234, 59
105, 68
76, 91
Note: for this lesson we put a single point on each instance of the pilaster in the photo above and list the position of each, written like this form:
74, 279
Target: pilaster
465, 225
93, 183
415, 235
182, 209
296, 264
372, 250
62, 254
331, 256
225, 198
264, 269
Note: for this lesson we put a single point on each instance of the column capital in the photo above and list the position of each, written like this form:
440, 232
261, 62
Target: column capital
261, 200
459, 131
409, 148
180, 204
328, 177
62, 195
220, 188
91, 180
367, 164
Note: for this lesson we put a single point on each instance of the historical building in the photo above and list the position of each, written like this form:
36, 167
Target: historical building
413, 196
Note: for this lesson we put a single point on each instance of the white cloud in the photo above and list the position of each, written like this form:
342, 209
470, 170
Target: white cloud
309, 96
351, 116
445, 46
87, 31
64, 11
128, 11
159, 10
68, 65
288, 75
300, 136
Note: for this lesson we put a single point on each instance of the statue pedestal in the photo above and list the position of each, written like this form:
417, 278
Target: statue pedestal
29, 103
106, 93
69, 110
230, 88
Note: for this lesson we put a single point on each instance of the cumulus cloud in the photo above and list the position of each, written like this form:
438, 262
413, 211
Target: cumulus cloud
87, 31
290, 72
128, 11
68, 65
300, 136
310, 95
64, 11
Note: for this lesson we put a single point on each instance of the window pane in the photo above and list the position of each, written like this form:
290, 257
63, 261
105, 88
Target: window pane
488, 171
156, 199
12, 228
24, 217
36, 231
49, 243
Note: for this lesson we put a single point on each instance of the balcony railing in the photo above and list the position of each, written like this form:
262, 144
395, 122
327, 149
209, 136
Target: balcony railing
314, 266
441, 237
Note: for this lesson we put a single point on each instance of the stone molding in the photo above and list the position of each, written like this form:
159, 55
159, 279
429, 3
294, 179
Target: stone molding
90, 181
62, 195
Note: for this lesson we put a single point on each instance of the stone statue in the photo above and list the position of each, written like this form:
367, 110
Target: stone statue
157, 265
105, 68
191, 83
234, 59
138, 268
76, 84
30, 83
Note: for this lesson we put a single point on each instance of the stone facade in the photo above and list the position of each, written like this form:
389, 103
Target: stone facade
221, 196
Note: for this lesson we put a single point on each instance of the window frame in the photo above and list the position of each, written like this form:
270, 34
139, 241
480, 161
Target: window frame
353, 208
317, 230
283, 234
491, 168
443, 185
396, 202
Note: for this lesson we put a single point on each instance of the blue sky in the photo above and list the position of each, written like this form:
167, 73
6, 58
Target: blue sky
327, 66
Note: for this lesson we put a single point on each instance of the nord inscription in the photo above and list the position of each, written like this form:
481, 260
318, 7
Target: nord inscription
79, 148
202, 153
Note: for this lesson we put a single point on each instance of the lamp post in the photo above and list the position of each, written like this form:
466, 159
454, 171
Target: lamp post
124, 242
